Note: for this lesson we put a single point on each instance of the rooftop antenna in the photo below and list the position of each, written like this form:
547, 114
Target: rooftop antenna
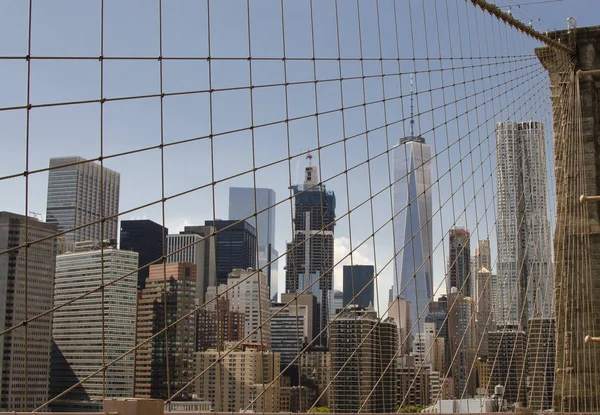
309, 158
412, 121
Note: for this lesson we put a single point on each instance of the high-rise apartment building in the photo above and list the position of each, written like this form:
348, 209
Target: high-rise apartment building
525, 272
400, 311
20, 272
244, 203
438, 312
507, 348
483, 255
359, 285
244, 379
289, 325
363, 362
412, 225
461, 344
195, 245
81, 333
484, 320
541, 362
315, 365
82, 192
215, 327
309, 263
165, 361
308, 301
235, 246
459, 261
148, 239
414, 384
248, 293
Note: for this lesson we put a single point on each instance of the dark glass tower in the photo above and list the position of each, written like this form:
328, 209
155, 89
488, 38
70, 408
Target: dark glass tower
357, 277
146, 238
310, 255
235, 246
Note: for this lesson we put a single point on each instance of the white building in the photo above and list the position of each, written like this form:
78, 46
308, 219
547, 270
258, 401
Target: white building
194, 246
38, 270
523, 229
412, 225
248, 293
82, 329
81, 192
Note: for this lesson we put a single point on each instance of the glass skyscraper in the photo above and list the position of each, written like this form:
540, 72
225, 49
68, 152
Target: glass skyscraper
412, 225
81, 192
243, 206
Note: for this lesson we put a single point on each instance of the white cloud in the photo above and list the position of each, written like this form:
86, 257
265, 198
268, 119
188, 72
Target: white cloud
341, 249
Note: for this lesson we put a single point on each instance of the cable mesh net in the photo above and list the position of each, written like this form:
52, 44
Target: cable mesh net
287, 206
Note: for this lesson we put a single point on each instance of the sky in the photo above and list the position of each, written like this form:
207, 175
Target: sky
490, 74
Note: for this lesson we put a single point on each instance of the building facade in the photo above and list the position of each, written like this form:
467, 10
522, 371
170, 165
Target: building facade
461, 350
459, 261
363, 366
315, 364
82, 192
165, 363
412, 225
241, 380
309, 263
80, 331
194, 246
218, 326
235, 247
359, 285
541, 362
244, 202
507, 347
248, 293
148, 239
19, 272
525, 270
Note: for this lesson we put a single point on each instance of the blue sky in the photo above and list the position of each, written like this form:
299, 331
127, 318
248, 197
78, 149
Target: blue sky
507, 83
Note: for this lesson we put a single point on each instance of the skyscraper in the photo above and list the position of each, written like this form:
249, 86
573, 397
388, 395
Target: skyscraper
170, 293
146, 238
525, 274
461, 330
77, 350
459, 261
363, 362
81, 192
196, 246
37, 275
359, 285
248, 293
244, 202
412, 224
309, 262
235, 247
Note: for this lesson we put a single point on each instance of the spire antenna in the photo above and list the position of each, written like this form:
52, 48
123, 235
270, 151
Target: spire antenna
412, 121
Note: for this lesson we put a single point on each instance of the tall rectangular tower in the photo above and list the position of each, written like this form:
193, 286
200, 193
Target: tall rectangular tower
196, 245
412, 225
459, 261
170, 293
235, 245
108, 318
309, 262
244, 203
525, 273
147, 238
359, 285
33, 271
81, 192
